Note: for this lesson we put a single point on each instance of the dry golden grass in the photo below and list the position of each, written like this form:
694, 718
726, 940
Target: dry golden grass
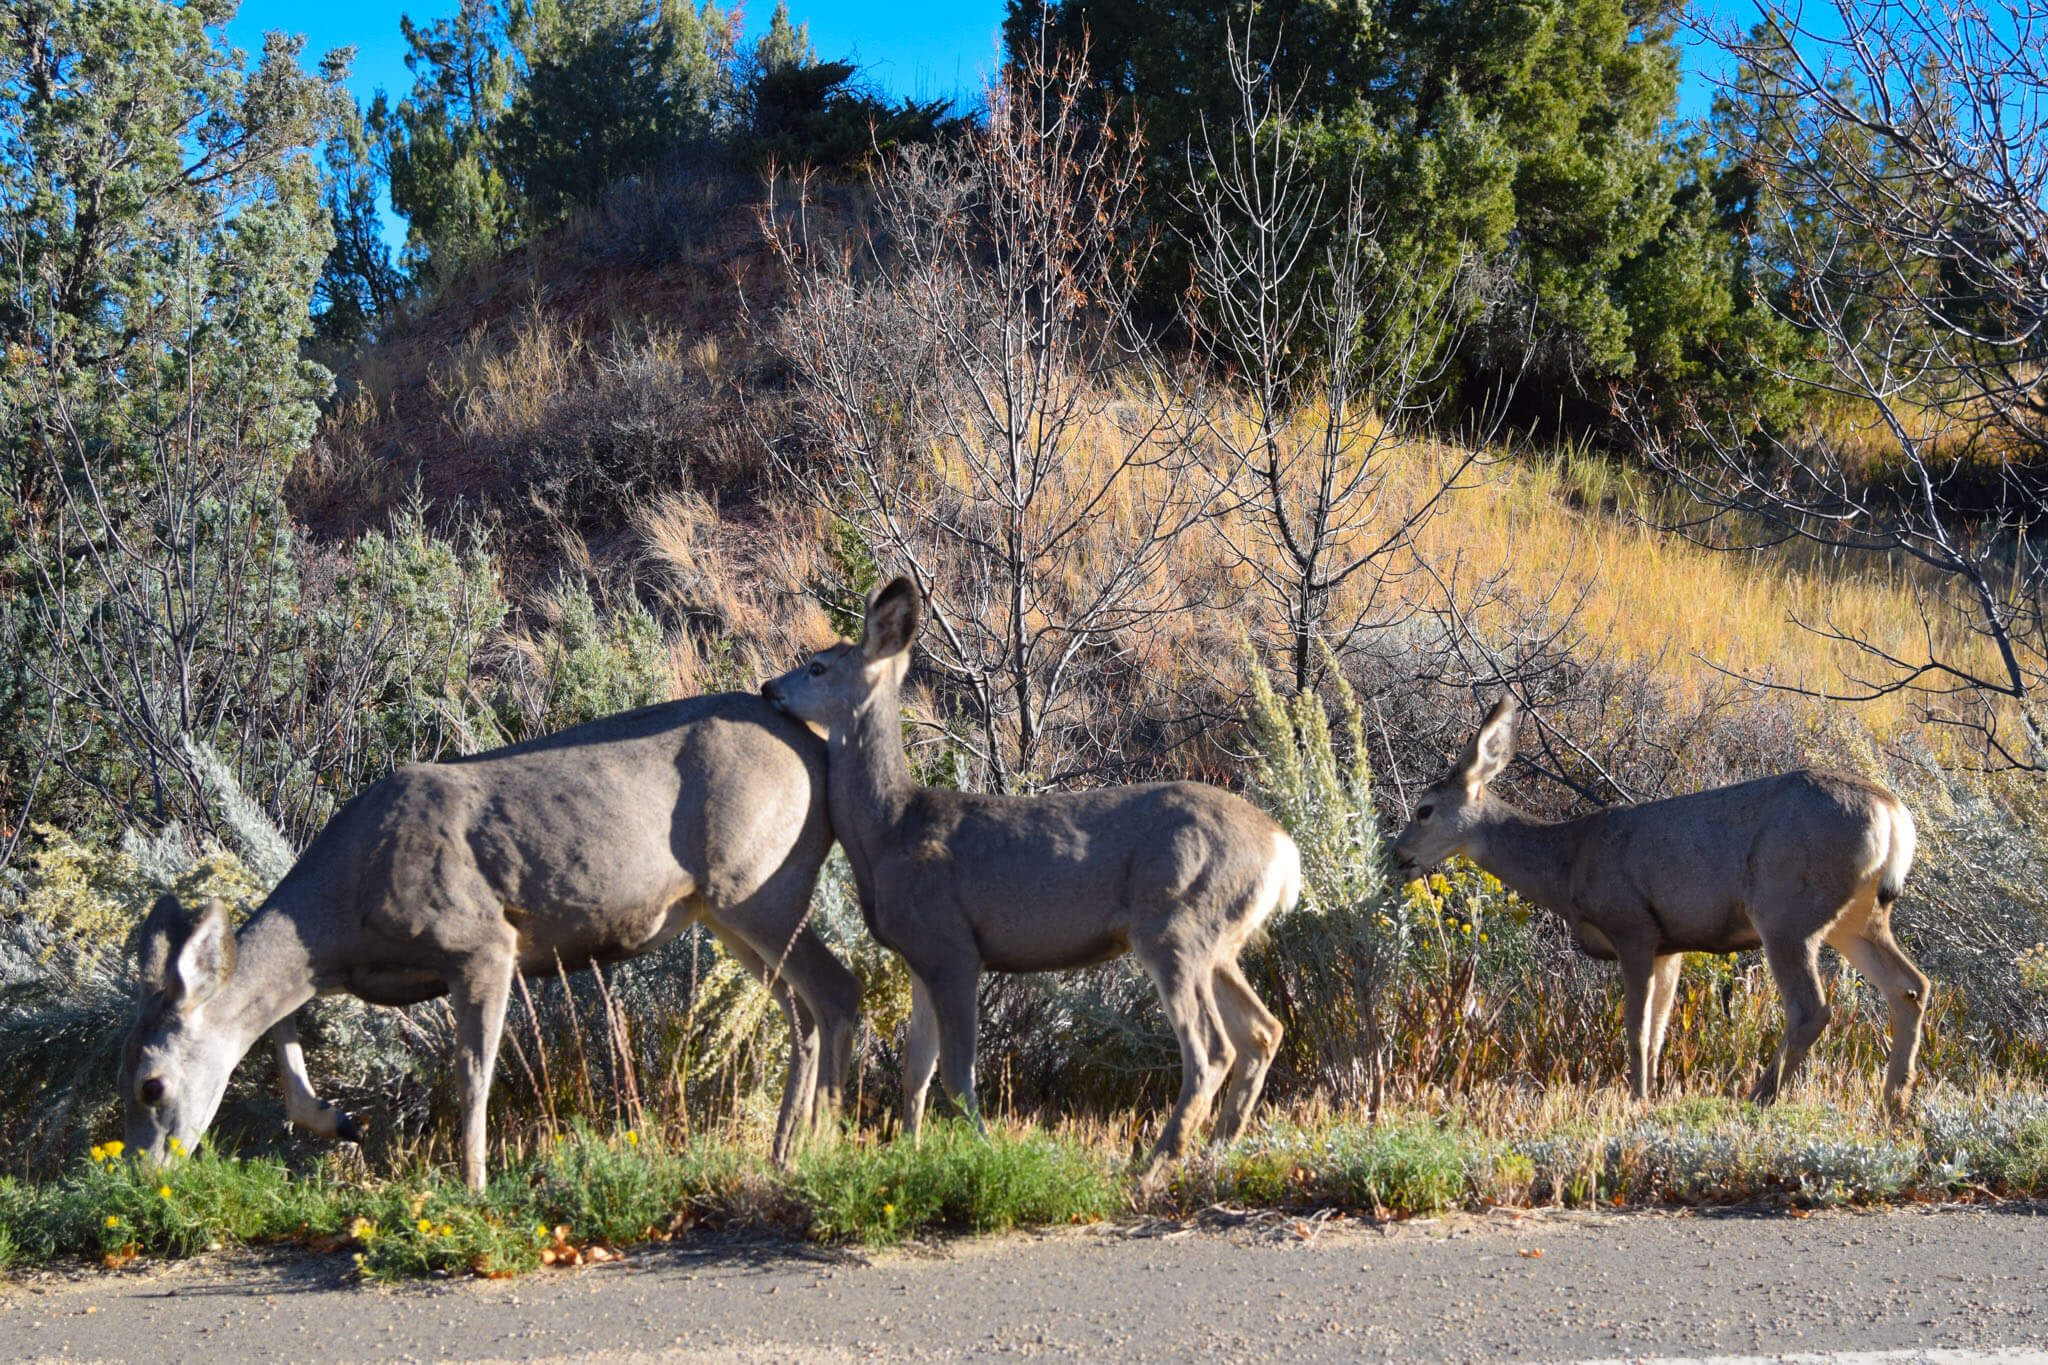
1580, 533
1560, 528
1650, 597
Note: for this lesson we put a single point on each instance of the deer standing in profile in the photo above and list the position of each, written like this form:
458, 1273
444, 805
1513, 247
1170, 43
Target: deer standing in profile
1783, 863
1178, 873
592, 845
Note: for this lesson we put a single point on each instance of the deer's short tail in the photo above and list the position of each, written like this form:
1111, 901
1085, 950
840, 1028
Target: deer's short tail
1280, 884
1905, 839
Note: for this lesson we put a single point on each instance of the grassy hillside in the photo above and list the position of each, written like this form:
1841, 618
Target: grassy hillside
602, 399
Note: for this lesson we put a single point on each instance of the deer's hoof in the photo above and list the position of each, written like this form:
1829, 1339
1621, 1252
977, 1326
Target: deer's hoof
346, 1129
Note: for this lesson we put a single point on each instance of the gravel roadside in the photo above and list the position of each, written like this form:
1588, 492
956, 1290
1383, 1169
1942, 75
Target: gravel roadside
1906, 1284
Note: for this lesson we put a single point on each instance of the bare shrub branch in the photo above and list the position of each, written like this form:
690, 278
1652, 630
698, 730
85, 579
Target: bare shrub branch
976, 402
1902, 186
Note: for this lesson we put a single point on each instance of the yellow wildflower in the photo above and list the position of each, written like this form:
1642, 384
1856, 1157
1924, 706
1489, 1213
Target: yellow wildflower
447, 1230
541, 1232
113, 1220
177, 1147
632, 1138
99, 1153
426, 1225
362, 1229
114, 1148
888, 1210
163, 1191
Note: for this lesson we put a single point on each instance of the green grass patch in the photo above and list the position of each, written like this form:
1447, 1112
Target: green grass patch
953, 1178
590, 1190
584, 1190
1410, 1166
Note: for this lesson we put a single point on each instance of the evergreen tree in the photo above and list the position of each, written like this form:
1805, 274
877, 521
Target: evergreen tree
161, 216
609, 89
1536, 136
444, 152
786, 45
359, 286
162, 219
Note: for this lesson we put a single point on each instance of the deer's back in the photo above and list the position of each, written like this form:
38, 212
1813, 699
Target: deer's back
1702, 862
591, 842
1069, 878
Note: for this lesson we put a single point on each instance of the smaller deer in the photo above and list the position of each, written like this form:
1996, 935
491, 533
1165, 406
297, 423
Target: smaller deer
1785, 863
958, 883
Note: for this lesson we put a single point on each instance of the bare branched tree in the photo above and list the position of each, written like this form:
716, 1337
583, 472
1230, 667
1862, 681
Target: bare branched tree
177, 604
977, 406
1341, 347
1901, 173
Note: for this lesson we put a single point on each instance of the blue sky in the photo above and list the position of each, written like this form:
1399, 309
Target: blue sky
920, 48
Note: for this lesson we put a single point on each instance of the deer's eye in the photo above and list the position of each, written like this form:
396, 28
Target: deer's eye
817, 668
153, 1090
1424, 812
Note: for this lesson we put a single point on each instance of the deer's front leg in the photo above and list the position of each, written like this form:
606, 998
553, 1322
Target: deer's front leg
955, 1004
920, 1056
304, 1107
478, 993
1638, 970
1663, 997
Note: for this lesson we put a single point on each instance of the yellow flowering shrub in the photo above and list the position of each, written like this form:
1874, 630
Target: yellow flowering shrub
92, 897
2033, 968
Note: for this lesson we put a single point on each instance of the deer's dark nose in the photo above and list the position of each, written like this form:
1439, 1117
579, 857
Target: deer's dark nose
772, 693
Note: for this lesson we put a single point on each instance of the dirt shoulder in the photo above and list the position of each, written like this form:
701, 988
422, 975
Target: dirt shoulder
1613, 1285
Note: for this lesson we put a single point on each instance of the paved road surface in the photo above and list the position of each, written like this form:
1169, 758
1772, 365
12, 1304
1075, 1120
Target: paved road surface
1924, 1285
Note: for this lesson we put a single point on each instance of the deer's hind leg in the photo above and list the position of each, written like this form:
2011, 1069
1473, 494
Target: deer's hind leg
800, 1081
832, 994
1873, 951
478, 990
823, 1008
1795, 966
1187, 992
1255, 1034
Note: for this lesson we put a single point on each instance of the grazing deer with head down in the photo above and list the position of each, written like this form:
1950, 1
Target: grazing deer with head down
959, 883
593, 845
1784, 863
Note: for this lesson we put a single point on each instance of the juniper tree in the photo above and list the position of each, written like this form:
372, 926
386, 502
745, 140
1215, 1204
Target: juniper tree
161, 228
1535, 136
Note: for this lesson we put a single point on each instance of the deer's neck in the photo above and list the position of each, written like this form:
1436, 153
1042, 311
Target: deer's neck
274, 975
1532, 857
868, 784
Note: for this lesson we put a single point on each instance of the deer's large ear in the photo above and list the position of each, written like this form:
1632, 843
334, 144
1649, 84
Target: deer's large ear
1491, 748
892, 620
163, 930
187, 959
